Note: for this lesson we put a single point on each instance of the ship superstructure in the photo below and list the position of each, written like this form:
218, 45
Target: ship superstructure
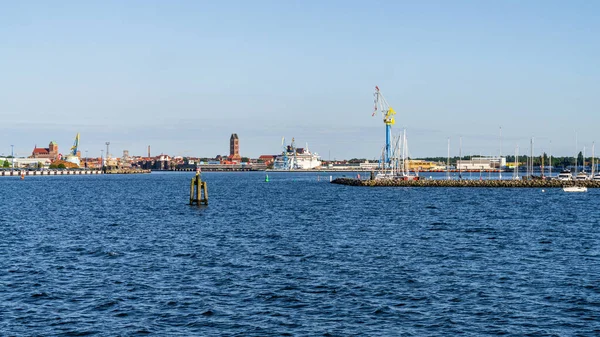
294, 158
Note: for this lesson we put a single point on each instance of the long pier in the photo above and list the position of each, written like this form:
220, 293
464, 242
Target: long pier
530, 183
67, 172
17, 172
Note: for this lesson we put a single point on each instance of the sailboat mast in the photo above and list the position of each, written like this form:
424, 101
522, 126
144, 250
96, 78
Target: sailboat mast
396, 162
448, 161
542, 167
576, 149
531, 156
593, 153
550, 168
526, 163
583, 161
401, 153
397, 155
500, 157
404, 150
517, 162
459, 158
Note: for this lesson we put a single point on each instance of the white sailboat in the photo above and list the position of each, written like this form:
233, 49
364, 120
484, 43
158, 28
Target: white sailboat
405, 174
400, 168
595, 175
384, 173
579, 176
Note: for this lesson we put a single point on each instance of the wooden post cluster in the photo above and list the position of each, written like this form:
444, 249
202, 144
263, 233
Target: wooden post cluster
198, 191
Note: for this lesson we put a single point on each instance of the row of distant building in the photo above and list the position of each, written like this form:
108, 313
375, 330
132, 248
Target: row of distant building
290, 158
46, 156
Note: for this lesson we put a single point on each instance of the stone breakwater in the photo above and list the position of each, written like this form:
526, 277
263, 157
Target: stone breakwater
466, 183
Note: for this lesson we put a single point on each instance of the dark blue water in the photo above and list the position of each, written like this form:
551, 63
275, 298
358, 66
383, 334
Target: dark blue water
126, 255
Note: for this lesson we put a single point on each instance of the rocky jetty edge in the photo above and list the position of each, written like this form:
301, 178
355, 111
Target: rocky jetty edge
466, 183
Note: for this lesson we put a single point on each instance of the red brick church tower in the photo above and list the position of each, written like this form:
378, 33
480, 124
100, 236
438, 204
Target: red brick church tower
53, 149
234, 148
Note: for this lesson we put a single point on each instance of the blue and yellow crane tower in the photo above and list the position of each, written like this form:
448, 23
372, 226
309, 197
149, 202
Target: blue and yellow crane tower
75, 146
388, 113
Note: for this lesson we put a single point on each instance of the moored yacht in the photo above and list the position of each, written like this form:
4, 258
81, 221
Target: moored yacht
582, 176
596, 177
565, 175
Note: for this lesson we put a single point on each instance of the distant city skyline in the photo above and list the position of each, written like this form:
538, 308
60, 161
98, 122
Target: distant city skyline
182, 77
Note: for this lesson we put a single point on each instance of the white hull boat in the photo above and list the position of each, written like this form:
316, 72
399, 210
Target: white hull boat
565, 175
575, 189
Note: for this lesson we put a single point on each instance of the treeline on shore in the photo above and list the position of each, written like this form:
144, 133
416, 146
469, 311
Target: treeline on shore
510, 159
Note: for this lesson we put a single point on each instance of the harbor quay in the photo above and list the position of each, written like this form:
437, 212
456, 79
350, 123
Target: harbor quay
15, 173
126, 171
23, 173
526, 183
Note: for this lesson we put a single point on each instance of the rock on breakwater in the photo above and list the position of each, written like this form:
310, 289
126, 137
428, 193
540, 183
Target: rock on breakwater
466, 183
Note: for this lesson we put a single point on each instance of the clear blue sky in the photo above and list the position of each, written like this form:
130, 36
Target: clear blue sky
182, 76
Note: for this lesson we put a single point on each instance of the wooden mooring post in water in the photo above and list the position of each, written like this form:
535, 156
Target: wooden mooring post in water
198, 190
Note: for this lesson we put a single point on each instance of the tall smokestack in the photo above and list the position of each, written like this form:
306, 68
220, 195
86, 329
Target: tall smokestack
148, 151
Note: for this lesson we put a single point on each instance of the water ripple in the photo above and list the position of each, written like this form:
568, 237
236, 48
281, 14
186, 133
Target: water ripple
125, 255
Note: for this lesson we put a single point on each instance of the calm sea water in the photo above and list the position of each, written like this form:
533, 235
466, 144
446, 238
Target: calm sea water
126, 255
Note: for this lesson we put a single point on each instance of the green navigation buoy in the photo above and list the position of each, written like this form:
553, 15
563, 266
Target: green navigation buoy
267, 178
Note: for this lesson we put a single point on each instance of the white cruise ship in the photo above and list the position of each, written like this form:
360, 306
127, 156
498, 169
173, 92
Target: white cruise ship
293, 158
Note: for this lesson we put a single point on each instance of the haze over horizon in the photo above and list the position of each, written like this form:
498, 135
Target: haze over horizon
183, 76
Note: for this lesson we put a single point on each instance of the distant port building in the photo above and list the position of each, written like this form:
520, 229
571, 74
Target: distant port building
267, 158
50, 152
481, 163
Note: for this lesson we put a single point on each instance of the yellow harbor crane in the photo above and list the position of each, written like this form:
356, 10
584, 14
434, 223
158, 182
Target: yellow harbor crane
380, 104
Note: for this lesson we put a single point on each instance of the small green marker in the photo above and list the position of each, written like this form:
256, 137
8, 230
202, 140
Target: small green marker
267, 178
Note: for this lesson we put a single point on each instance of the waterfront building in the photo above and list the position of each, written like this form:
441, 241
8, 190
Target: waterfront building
267, 158
50, 152
163, 162
423, 165
28, 162
481, 163
369, 166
